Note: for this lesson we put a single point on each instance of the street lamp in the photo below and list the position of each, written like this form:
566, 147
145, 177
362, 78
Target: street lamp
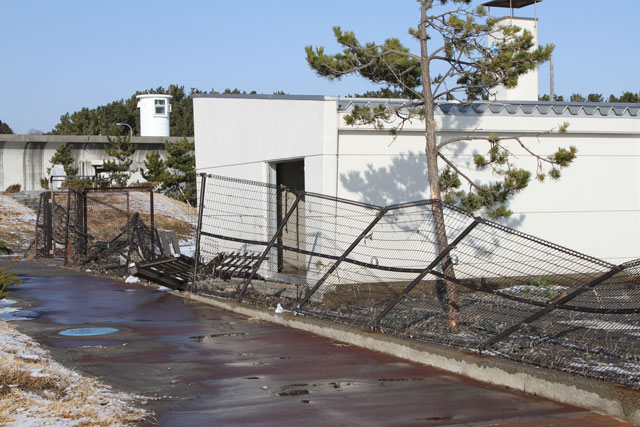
130, 129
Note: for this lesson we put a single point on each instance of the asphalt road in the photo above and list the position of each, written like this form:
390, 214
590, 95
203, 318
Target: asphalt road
202, 366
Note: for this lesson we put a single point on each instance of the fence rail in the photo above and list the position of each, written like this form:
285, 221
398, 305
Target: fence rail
491, 288
110, 225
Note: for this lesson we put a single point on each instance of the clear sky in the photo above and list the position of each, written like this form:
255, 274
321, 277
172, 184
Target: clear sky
60, 56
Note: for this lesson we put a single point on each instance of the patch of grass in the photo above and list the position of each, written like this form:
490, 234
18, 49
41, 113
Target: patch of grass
13, 188
36, 391
6, 280
4, 248
17, 376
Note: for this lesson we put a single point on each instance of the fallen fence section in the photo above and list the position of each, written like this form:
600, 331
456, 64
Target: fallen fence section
97, 226
422, 270
112, 230
174, 273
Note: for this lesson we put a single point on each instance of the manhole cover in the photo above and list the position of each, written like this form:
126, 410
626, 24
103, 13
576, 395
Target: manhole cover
87, 332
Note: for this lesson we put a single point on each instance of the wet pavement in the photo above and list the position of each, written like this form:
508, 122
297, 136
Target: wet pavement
202, 366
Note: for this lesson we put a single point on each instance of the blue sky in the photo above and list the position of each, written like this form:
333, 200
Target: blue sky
60, 56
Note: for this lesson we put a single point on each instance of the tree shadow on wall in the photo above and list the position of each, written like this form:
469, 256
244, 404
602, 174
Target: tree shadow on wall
404, 180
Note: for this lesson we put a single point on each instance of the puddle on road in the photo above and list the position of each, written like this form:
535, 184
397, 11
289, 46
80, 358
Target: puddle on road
87, 332
204, 338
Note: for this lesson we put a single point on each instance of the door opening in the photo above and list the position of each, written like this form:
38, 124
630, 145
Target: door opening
291, 175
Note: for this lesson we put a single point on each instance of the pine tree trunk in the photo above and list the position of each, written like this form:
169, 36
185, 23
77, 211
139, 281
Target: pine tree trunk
451, 298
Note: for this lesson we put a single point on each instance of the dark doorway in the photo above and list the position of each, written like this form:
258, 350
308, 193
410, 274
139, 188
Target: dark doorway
291, 175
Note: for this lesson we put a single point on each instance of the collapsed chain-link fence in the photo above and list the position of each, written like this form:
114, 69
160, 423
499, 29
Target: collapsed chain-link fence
422, 270
108, 226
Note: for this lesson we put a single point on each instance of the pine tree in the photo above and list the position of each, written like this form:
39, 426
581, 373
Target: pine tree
595, 97
4, 128
452, 37
121, 149
6, 280
154, 167
180, 180
63, 157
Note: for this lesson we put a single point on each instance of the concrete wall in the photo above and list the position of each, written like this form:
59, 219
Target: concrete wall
594, 208
24, 159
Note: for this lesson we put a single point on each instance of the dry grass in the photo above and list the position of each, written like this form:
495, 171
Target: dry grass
37, 391
106, 214
17, 223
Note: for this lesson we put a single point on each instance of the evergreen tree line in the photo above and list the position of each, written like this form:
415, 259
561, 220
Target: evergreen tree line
102, 120
625, 97
4, 128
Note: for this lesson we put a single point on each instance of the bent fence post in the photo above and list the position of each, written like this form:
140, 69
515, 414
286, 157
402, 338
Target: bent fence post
424, 272
196, 255
275, 236
345, 254
502, 335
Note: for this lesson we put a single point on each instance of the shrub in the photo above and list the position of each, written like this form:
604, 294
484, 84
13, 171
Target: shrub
77, 183
4, 248
6, 280
13, 188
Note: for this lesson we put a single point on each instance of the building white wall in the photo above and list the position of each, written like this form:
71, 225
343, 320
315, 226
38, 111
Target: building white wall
155, 113
594, 208
527, 88
242, 137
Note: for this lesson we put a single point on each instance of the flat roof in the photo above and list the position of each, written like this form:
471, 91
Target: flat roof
267, 96
529, 108
515, 4
154, 95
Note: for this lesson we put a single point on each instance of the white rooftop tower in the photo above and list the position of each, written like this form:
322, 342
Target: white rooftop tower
527, 88
154, 114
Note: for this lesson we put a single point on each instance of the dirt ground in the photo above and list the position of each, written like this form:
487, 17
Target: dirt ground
17, 223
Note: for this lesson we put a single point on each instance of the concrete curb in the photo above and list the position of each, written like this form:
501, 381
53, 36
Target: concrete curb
592, 394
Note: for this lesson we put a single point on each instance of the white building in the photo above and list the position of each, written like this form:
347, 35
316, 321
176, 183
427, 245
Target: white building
304, 140
155, 111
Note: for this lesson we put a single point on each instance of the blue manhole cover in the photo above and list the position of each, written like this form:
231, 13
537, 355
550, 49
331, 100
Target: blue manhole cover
87, 332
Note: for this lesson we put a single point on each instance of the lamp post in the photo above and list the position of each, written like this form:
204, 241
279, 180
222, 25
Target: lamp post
127, 125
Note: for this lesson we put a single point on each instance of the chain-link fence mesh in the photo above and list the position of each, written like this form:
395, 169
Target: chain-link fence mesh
422, 270
107, 226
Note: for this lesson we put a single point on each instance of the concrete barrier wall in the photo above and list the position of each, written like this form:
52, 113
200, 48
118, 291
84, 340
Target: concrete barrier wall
24, 159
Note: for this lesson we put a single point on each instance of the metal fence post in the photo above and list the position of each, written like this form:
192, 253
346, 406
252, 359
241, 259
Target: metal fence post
196, 255
35, 243
424, 272
502, 335
48, 230
270, 244
344, 255
66, 232
84, 221
151, 220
